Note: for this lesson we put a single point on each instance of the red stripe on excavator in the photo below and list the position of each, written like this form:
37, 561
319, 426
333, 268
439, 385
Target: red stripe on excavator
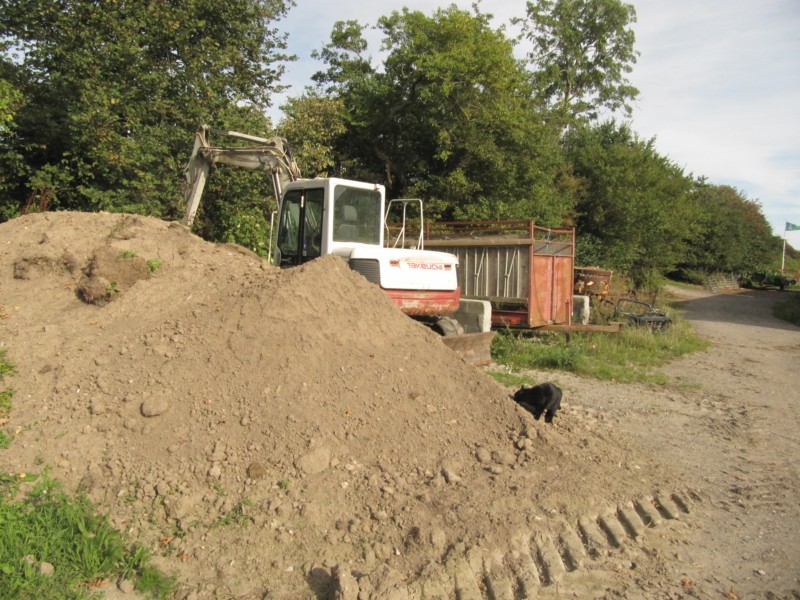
426, 303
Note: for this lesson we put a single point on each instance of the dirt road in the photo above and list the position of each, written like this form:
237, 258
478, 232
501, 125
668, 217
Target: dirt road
742, 443
732, 432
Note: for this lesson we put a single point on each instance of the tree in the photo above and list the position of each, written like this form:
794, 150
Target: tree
732, 234
448, 118
582, 51
112, 93
9, 98
632, 210
312, 124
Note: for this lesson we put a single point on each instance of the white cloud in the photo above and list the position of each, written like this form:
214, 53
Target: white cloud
720, 90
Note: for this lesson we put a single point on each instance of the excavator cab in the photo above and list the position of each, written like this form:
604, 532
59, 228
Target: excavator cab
327, 215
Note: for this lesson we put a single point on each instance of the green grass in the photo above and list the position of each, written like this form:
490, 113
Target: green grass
512, 379
627, 357
788, 309
5, 402
6, 367
48, 526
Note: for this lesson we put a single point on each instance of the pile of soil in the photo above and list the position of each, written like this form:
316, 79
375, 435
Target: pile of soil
275, 433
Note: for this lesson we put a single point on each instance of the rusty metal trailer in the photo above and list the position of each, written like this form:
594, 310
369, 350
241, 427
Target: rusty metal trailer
523, 270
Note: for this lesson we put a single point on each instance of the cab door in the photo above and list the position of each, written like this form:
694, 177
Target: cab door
300, 226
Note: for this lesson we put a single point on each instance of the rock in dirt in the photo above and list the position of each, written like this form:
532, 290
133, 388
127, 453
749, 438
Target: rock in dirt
154, 406
315, 461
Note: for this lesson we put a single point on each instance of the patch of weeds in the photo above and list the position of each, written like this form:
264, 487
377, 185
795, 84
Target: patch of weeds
6, 367
153, 264
626, 357
236, 516
511, 379
5, 402
283, 484
128, 254
154, 583
522, 350
8, 485
47, 526
112, 288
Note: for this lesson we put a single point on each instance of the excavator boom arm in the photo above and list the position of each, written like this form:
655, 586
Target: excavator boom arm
273, 155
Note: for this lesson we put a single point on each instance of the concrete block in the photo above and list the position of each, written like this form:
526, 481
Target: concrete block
580, 309
475, 316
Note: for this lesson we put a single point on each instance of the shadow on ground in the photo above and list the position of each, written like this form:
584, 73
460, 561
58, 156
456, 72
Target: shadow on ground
747, 307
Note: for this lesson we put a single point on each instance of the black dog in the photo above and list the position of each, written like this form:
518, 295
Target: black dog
543, 398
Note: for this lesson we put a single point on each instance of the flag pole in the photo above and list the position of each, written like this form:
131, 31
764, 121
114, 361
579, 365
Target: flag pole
789, 227
783, 259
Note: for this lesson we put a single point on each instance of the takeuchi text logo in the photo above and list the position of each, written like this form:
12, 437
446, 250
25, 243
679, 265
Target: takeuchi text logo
418, 264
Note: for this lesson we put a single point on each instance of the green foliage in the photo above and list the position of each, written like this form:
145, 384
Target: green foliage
9, 100
47, 526
448, 117
729, 232
5, 402
111, 93
313, 123
582, 51
153, 583
633, 215
791, 261
6, 368
627, 357
153, 265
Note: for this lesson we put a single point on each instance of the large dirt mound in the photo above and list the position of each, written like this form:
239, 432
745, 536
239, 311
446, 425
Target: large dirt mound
257, 427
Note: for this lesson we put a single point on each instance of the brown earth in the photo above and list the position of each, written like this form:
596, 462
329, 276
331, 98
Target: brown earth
290, 434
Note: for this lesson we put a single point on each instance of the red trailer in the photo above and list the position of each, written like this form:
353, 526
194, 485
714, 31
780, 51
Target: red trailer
523, 270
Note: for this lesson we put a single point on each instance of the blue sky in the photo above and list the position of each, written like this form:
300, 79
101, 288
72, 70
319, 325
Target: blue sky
719, 84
